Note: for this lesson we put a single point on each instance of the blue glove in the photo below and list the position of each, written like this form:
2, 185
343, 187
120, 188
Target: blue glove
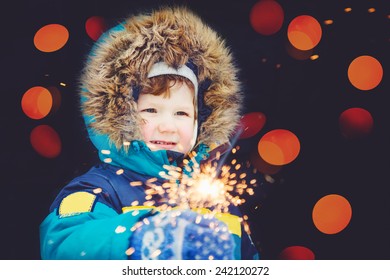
182, 235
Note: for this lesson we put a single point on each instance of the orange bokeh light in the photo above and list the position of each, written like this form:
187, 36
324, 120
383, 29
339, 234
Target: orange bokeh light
296, 253
262, 166
37, 102
266, 17
95, 26
365, 72
332, 213
45, 141
51, 37
304, 32
279, 147
355, 123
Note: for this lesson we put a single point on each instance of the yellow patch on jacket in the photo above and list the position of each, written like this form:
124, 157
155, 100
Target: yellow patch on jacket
75, 203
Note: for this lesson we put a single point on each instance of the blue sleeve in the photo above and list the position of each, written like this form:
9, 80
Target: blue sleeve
99, 234
248, 249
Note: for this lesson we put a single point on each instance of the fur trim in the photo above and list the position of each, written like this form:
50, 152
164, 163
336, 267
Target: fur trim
122, 60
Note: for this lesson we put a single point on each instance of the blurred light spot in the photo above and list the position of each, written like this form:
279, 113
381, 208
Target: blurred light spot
262, 166
365, 72
51, 37
97, 190
263, 60
355, 123
371, 10
120, 229
251, 124
107, 160
314, 57
277, 66
269, 178
296, 253
304, 32
37, 102
56, 97
95, 26
298, 54
130, 251
279, 147
331, 214
328, 22
63, 84
347, 10
45, 141
266, 17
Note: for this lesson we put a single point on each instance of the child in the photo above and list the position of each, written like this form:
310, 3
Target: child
156, 88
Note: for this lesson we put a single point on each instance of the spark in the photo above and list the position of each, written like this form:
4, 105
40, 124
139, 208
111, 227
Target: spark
97, 190
328, 21
120, 229
130, 251
136, 183
212, 186
135, 203
314, 57
155, 254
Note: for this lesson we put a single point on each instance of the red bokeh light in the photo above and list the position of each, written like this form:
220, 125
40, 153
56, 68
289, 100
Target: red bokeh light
251, 124
266, 17
46, 141
95, 26
355, 123
296, 253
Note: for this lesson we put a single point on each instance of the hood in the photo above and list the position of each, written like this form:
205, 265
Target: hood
122, 58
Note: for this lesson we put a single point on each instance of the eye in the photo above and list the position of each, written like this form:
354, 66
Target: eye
149, 110
182, 113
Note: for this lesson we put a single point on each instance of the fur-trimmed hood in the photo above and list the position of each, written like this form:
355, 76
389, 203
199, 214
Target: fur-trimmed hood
122, 58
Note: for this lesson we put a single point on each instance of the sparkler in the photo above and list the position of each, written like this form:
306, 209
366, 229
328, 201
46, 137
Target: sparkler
212, 185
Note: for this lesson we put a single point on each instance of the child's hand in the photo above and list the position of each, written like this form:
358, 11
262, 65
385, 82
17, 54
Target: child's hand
183, 235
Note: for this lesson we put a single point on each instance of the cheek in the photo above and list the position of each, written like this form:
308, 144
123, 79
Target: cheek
187, 131
147, 130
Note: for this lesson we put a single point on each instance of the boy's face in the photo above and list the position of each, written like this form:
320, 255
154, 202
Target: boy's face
169, 121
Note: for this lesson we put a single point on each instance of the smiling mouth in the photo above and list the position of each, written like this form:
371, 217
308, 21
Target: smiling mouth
162, 143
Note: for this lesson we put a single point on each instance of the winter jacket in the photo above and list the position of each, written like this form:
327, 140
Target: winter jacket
95, 215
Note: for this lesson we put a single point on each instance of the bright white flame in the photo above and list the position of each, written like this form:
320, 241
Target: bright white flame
207, 189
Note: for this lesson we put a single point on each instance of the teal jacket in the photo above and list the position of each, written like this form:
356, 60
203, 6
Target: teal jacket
93, 216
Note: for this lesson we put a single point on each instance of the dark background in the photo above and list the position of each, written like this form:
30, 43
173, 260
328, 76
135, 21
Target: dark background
303, 96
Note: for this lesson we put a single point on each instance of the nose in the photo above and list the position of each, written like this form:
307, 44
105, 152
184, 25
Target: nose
167, 125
